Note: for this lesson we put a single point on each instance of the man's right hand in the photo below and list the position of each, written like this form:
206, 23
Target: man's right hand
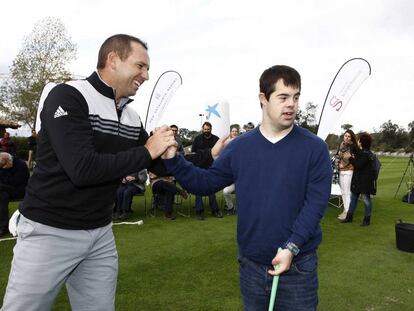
162, 138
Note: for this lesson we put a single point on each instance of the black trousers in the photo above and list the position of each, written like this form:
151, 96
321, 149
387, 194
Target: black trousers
6, 195
167, 190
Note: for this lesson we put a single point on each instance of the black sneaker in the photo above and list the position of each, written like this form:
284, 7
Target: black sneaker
231, 211
169, 216
217, 214
124, 216
200, 215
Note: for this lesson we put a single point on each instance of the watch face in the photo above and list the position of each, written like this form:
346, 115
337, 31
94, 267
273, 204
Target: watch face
293, 248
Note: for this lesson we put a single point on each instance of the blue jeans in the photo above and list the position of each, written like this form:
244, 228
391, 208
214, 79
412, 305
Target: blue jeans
167, 190
367, 202
212, 200
124, 196
297, 289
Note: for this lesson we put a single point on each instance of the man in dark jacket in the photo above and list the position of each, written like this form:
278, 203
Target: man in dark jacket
13, 180
205, 141
89, 139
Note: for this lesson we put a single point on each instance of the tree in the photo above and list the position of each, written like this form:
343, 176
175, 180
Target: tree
346, 126
392, 136
410, 137
307, 118
333, 141
187, 136
46, 52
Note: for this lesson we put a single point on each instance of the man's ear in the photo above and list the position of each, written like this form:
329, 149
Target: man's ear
112, 60
263, 100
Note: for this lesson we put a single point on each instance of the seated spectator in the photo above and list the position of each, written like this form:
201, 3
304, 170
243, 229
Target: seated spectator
131, 185
14, 175
167, 189
227, 192
7, 144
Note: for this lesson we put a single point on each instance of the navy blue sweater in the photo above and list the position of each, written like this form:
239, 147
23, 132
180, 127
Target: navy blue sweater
282, 189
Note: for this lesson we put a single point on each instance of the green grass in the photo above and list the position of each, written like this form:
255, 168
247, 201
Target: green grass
188, 264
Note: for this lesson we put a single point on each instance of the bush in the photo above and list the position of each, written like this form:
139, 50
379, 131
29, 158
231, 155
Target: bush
22, 150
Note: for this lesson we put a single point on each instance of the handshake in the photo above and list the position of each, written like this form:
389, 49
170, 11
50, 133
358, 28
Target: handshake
162, 143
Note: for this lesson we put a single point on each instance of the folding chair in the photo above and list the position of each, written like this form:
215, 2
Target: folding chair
336, 194
155, 204
142, 194
180, 209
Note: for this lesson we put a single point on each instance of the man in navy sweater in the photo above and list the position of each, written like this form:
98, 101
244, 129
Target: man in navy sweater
282, 175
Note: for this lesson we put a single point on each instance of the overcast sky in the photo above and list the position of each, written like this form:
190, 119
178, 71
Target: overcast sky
221, 47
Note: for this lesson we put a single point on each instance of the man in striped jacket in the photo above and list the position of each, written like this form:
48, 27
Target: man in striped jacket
89, 139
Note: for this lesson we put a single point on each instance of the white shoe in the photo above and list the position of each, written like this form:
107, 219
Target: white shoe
342, 216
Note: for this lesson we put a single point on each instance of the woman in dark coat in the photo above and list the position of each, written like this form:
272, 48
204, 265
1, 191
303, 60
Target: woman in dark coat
363, 180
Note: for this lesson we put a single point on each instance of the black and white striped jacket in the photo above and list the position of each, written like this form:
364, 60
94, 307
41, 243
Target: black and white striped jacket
85, 146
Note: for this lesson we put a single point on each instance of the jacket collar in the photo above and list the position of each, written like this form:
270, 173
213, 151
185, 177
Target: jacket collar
95, 80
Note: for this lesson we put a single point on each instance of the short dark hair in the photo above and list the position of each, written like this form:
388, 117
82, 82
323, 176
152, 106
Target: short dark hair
120, 44
207, 123
365, 140
273, 74
173, 125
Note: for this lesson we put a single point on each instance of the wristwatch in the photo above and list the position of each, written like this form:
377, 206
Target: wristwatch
292, 248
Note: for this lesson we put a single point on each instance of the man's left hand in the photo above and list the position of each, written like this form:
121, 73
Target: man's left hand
219, 146
169, 153
284, 259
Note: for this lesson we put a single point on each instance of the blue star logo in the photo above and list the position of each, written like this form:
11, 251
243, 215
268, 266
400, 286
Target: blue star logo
212, 110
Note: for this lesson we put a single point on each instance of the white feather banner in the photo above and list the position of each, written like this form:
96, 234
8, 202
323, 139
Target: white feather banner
164, 89
346, 82
218, 115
